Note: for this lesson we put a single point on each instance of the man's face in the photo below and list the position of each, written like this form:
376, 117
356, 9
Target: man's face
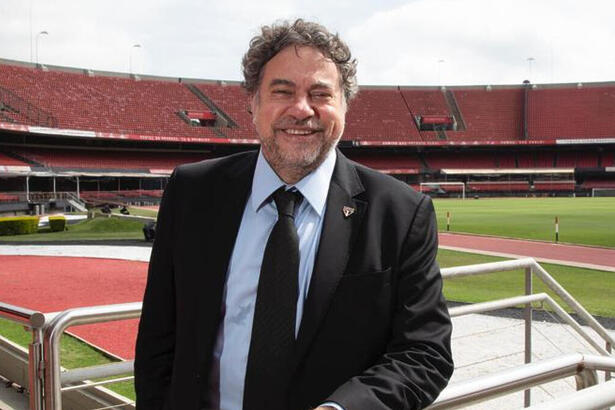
298, 111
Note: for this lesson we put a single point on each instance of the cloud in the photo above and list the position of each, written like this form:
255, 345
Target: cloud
396, 41
483, 41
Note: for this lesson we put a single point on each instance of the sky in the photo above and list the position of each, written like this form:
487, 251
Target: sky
396, 42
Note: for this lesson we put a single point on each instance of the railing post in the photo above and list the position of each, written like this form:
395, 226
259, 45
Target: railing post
586, 378
609, 348
527, 313
36, 370
51, 356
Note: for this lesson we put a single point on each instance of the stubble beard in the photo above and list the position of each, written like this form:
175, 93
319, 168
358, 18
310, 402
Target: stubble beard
292, 166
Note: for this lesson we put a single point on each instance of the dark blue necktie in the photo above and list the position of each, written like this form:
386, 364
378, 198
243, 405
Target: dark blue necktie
273, 330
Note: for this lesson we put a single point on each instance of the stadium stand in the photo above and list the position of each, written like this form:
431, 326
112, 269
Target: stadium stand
391, 164
425, 101
577, 159
107, 104
7, 160
590, 183
536, 159
504, 159
232, 100
440, 189
554, 185
498, 186
5, 197
133, 195
563, 112
106, 159
495, 115
462, 159
380, 115
532, 131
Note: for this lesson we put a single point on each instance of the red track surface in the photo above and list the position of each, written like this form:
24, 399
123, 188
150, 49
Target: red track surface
50, 283
572, 254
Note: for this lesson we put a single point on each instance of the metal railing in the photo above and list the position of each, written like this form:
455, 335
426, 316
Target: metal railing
54, 328
583, 367
47, 381
36, 196
596, 397
31, 319
532, 268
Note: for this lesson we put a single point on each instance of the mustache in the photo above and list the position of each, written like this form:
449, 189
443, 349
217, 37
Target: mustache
289, 122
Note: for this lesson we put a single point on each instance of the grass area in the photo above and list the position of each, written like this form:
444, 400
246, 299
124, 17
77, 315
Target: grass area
73, 353
89, 229
594, 289
588, 221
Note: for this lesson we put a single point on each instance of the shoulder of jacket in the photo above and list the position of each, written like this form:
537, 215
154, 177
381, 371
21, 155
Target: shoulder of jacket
214, 166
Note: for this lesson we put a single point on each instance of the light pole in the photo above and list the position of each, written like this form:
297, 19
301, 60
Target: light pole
30, 31
440, 62
130, 56
38, 36
530, 61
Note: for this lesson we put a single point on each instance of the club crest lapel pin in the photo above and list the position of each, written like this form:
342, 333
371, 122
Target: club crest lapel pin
347, 211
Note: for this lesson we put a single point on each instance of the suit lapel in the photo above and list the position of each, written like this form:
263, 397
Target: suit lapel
338, 234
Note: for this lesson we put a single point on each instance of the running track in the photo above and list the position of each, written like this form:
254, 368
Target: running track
573, 255
55, 283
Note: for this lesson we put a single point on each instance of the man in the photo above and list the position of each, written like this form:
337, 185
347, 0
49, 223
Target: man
361, 323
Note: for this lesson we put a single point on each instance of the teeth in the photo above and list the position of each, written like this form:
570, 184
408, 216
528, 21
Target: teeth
297, 132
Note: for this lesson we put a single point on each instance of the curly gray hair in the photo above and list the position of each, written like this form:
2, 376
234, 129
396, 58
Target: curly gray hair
278, 36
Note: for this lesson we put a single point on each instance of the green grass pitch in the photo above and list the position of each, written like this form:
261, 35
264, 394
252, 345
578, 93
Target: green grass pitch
587, 221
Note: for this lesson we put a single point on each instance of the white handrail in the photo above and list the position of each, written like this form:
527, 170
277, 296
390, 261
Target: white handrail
519, 378
596, 397
493, 267
16, 313
519, 300
71, 317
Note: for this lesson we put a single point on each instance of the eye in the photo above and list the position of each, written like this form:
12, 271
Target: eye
321, 95
281, 92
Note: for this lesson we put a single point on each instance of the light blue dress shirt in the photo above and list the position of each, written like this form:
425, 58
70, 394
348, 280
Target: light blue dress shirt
259, 216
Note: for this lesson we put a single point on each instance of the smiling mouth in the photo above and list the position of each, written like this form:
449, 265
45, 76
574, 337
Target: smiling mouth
295, 131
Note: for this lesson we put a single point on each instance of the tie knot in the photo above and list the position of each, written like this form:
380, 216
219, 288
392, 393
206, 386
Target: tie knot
286, 201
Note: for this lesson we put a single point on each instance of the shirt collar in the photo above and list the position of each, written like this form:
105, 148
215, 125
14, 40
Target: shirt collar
314, 186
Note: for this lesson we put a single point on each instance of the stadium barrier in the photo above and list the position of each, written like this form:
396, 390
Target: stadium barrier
47, 382
595, 397
583, 367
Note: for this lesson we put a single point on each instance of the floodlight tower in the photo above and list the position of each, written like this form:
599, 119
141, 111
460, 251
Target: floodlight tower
530, 61
130, 56
38, 36
440, 62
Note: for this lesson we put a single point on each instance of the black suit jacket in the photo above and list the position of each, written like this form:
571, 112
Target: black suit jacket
375, 332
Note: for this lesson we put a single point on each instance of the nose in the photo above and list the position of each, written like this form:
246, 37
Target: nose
301, 108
